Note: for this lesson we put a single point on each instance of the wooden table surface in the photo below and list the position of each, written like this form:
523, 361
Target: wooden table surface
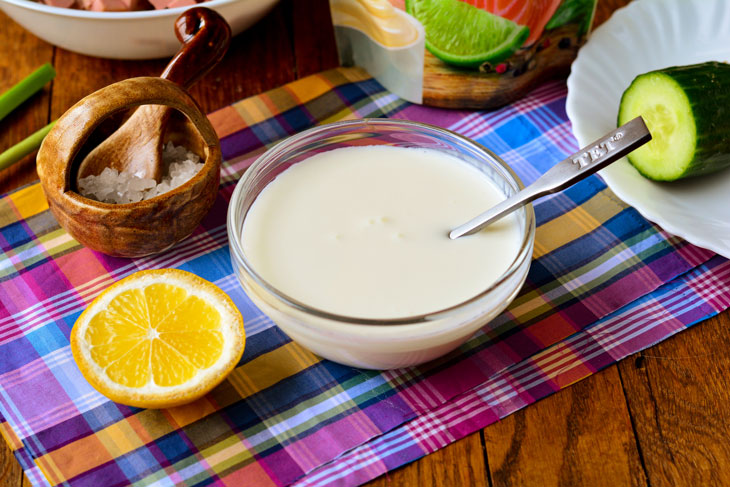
659, 418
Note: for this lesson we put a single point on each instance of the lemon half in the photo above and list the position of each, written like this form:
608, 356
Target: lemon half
158, 338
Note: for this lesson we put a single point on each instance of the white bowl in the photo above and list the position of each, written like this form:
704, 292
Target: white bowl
373, 343
145, 34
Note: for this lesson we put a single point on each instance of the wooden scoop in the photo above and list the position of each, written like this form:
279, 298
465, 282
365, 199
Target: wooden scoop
136, 146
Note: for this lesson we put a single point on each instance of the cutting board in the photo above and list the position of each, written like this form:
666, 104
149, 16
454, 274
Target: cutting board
493, 86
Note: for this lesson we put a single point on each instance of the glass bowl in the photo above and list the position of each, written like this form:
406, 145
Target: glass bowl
377, 343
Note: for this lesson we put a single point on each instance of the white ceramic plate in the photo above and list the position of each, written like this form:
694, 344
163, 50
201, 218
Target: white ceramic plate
644, 36
144, 34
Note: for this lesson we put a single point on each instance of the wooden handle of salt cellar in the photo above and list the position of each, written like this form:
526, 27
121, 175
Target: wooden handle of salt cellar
205, 37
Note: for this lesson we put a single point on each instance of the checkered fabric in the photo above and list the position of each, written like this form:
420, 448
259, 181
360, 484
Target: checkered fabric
604, 283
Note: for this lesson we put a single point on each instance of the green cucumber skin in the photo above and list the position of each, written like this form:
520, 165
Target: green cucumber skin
707, 87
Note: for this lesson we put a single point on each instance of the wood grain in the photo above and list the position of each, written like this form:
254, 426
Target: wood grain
313, 41
458, 464
579, 436
20, 54
259, 59
678, 394
604, 9
11, 475
450, 87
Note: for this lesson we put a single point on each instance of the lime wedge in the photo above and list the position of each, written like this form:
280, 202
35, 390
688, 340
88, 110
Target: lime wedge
463, 35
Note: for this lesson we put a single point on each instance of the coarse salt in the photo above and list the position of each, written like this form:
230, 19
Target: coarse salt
112, 186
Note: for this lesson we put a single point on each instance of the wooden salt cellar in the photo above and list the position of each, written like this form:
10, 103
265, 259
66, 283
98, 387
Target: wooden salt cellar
132, 229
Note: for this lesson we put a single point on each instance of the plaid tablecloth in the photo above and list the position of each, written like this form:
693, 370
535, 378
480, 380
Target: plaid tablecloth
604, 283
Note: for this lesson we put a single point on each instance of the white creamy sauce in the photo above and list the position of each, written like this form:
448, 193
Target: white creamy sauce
363, 232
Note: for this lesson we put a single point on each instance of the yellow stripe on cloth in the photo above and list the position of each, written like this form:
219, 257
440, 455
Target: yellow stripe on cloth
119, 438
57, 241
226, 121
351, 75
344, 114
575, 223
73, 459
309, 88
28, 201
10, 437
226, 454
270, 368
252, 110
191, 412
530, 308
263, 107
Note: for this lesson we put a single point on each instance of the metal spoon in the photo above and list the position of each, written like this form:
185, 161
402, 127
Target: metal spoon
593, 157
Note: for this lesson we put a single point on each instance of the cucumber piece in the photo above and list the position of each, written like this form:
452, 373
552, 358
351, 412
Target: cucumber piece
687, 111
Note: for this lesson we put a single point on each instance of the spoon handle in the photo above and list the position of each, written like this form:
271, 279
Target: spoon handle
586, 161
205, 37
